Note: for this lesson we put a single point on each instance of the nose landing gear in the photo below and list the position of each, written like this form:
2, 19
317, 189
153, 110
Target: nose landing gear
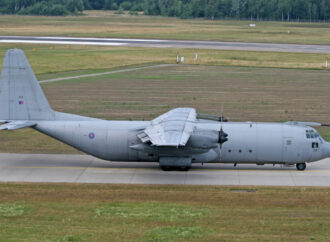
301, 166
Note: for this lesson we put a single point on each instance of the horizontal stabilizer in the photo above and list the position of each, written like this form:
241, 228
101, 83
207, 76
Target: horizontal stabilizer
17, 125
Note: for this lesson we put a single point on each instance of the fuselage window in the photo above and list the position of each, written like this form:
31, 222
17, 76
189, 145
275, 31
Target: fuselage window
315, 145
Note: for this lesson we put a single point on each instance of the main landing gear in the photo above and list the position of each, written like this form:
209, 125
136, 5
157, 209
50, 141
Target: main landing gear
301, 166
170, 168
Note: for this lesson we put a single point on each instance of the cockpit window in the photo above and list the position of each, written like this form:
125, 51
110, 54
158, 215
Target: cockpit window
311, 134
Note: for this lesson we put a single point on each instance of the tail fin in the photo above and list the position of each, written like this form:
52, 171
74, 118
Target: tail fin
21, 97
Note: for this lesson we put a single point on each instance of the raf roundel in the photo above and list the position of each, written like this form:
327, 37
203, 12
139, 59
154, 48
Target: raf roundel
91, 135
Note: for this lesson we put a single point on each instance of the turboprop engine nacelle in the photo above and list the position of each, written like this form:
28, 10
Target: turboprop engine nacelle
204, 139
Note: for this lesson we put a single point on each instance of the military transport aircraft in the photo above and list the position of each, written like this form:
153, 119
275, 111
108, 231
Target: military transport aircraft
175, 139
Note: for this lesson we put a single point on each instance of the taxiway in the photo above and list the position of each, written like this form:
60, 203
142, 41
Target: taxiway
87, 169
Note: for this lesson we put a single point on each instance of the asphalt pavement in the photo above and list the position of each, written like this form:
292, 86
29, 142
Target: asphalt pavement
87, 169
215, 45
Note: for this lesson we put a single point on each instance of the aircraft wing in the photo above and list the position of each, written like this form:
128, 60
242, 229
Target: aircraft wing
17, 125
170, 129
298, 123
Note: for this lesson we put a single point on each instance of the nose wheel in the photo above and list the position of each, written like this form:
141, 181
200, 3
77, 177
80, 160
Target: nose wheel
301, 166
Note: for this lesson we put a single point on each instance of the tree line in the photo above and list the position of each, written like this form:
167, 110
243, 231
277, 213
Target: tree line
284, 10
41, 7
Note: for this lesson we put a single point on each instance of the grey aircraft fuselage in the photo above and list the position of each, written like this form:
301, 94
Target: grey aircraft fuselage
177, 138
260, 143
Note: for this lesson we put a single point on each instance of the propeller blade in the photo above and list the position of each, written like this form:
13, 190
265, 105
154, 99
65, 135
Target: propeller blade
222, 134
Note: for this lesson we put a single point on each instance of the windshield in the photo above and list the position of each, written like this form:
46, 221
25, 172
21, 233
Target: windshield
313, 134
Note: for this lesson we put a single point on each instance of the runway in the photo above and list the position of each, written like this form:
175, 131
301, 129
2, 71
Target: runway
216, 45
87, 169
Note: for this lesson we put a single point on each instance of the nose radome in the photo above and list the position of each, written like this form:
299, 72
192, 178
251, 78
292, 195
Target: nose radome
327, 149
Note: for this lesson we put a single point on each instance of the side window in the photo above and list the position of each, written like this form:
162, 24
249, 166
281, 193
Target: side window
315, 145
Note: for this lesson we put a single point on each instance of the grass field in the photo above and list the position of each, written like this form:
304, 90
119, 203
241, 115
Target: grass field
248, 93
76, 59
257, 94
66, 212
107, 24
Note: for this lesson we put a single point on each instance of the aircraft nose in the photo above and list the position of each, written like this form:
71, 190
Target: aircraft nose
327, 149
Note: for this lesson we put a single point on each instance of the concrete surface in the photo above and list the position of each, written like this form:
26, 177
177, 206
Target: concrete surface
87, 169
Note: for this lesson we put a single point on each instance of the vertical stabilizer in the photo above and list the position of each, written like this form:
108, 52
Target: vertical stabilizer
21, 97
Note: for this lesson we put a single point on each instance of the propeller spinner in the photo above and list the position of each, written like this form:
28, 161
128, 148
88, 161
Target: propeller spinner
222, 136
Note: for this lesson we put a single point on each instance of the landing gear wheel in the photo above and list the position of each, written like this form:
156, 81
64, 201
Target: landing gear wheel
166, 168
184, 168
301, 166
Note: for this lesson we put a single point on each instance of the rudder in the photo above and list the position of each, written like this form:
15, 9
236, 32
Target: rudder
21, 97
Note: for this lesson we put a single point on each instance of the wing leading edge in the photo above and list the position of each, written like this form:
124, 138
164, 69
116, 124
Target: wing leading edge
17, 125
